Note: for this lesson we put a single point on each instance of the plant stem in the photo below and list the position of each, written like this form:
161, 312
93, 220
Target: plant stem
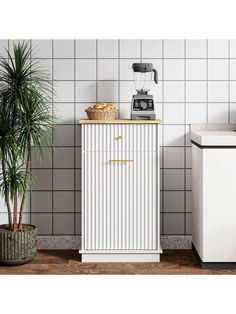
7, 200
25, 184
15, 226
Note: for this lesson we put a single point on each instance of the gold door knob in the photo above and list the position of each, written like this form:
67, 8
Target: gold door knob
120, 137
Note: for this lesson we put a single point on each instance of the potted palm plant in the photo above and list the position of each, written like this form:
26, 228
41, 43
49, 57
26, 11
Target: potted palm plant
25, 122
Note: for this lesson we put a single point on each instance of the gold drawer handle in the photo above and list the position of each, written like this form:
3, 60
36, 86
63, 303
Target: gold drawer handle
120, 137
120, 160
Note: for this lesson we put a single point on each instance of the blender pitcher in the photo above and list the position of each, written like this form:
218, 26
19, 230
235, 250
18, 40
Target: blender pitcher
143, 76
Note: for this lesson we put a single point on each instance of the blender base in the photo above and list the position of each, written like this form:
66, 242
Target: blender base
136, 116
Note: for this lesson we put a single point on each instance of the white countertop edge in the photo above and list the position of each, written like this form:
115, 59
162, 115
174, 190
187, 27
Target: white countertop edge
214, 138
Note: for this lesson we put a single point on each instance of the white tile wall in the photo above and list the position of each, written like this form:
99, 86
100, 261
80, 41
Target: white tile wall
157, 64
218, 69
3, 47
41, 48
152, 48
174, 91
174, 48
126, 72
130, 48
64, 91
85, 48
218, 91
196, 113
108, 69
196, 48
173, 201
64, 48
197, 85
232, 44
218, 48
232, 95
174, 223
86, 69
177, 161
63, 179
44, 162
85, 91
174, 135
174, 113
174, 69
45, 65
218, 112
173, 179
196, 91
196, 69
108, 48
64, 157
107, 91
64, 112
44, 179
41, 201
64, 201
64, 69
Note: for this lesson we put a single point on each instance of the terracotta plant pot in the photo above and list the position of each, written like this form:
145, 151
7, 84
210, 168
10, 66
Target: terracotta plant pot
17, 248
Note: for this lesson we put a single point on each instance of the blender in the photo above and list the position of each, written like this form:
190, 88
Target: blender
143, 105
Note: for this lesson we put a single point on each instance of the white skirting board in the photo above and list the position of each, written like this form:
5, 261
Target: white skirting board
73, 242
109, 258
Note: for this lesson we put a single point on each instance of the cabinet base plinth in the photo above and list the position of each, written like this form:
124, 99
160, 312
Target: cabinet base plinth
212, 265
116, 257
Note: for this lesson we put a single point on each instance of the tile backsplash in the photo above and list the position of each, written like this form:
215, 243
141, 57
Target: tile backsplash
197, 84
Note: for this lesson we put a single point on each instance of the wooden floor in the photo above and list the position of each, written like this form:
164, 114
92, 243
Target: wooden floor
68, 262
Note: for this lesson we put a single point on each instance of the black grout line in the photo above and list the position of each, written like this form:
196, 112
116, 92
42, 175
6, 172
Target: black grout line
229, 107
185, 137
156, 102
119, 76
73, 190
176, 212
55, 190
96, 70
131, 81
53, 136
207, 81
141, 50
135, 58
30, 196
59, 234
169, 168
80, 212
48, 212
160, 145
75, 117
163, 138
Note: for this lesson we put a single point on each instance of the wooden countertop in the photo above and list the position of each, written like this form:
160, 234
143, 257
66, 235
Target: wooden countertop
119, 121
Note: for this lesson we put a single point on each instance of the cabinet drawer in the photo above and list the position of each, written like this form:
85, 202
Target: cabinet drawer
120, 137
120, 202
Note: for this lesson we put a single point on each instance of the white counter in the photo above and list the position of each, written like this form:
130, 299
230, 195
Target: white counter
214, 138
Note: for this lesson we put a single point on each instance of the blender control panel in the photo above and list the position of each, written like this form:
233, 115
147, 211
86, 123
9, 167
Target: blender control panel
143, 104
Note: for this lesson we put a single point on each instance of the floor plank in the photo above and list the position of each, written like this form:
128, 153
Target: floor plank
60, 262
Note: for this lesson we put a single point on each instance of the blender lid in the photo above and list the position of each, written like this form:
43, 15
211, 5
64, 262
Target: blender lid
142, 67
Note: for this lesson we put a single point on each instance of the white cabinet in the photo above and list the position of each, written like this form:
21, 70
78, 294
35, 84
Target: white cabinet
214, 197
120, 191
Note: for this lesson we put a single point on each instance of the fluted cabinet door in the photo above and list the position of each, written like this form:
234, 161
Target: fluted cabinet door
120, 205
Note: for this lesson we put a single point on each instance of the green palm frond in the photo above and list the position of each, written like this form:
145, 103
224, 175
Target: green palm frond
14, 181
25, 117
